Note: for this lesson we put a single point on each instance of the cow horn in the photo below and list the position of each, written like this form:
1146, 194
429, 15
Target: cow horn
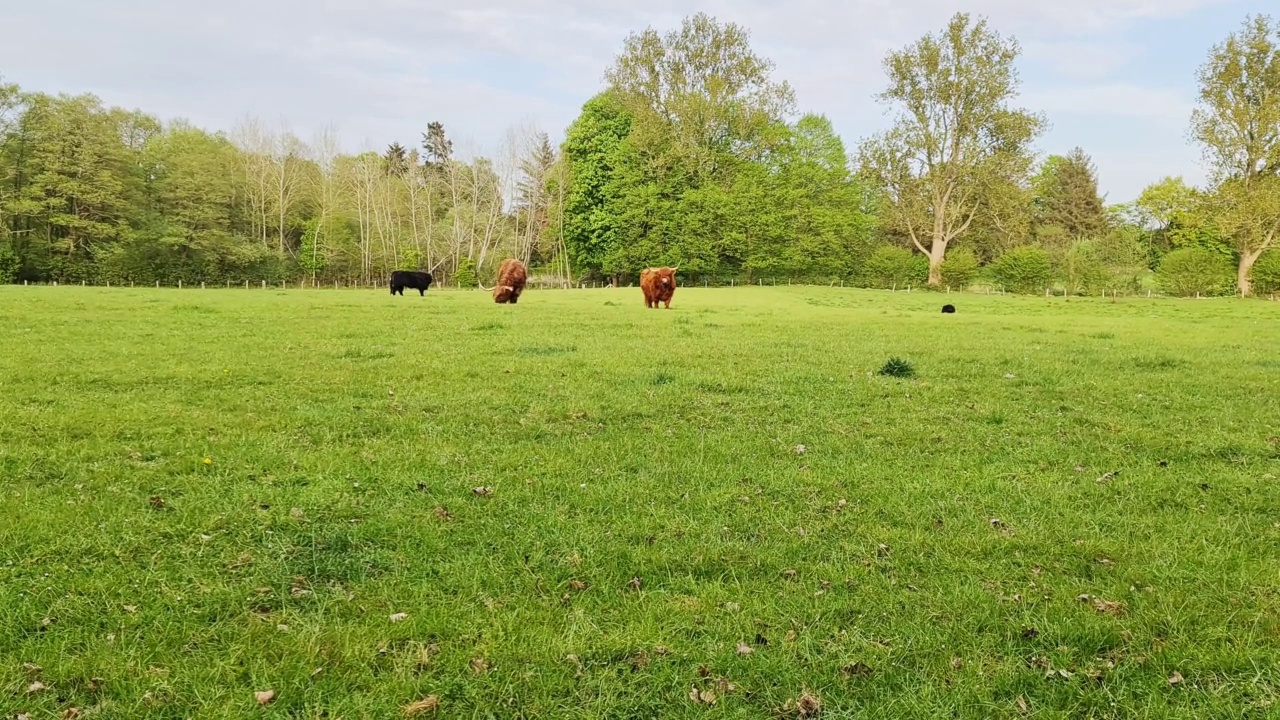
675, 268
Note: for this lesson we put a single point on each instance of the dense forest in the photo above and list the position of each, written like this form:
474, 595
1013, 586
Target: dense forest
693, 154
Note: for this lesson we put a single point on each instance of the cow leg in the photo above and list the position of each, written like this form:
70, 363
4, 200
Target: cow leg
421, 292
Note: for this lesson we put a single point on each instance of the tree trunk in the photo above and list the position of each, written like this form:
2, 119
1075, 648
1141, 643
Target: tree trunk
936, 252
1243, 272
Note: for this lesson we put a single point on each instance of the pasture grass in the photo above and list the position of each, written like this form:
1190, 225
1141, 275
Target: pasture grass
1070, 509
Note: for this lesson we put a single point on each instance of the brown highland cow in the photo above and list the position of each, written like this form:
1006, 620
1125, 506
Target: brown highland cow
658, 284
511, 279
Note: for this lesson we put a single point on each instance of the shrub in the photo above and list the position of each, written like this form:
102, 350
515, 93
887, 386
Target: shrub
958, 269
1080, 270
1265, 275
891, 266
10, 264
466, 274
1124, 258
1023, 270
1195, 270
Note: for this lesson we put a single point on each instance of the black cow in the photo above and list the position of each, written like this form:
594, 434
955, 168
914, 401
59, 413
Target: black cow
412, 279
948, 308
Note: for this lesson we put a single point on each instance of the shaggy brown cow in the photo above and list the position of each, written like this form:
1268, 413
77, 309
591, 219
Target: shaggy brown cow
658, 284
511, 278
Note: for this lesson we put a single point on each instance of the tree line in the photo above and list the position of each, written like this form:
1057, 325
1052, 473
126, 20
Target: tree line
693, 154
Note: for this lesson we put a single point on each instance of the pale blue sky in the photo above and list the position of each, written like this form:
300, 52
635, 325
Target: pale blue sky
1116, 77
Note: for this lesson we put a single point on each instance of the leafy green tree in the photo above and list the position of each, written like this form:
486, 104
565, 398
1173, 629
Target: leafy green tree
1066, 196
597, 160
397, 158
1238, 125
827, 212
438, 147
957, 146
190, 231
1179, 216
701, 97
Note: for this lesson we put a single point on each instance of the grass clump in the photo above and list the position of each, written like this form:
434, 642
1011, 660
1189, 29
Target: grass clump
897, 367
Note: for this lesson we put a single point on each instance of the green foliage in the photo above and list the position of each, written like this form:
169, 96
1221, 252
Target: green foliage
466, 273
717, 183
311, 253
599, 163
1266, 273
1122, 254
959, 268
10, 263
895, 267
1066, 196
1190, 271
82, 168
1080, 269
897, 367
1026, 269
703, 100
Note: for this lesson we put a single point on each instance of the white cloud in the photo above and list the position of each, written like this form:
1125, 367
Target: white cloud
1083, 60
1113, 100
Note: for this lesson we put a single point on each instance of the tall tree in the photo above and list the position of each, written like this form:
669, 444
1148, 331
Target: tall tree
1238, 125
957, 144
532, 201
1066, 196
438, 147
397, 158
286, 177
595, 154
701, 92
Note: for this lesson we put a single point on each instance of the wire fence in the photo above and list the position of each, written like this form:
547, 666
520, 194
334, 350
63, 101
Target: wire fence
546, 283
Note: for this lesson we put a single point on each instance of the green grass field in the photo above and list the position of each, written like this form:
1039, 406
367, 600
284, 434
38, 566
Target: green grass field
208, 494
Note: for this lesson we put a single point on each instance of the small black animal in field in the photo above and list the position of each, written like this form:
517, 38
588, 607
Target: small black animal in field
412, 279
948, 308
